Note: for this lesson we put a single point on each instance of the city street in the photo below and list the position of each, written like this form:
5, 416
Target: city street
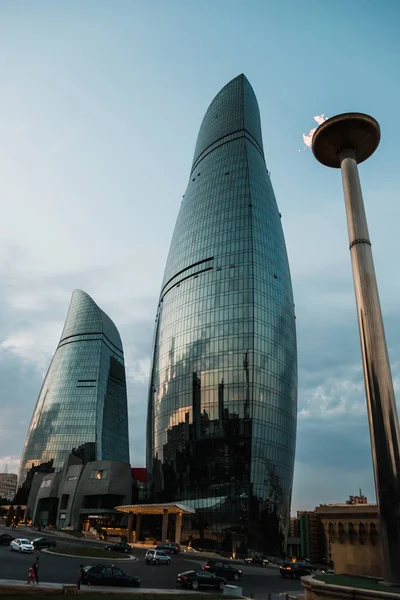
256, 581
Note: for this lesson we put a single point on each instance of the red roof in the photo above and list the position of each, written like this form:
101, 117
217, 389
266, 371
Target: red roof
139, 473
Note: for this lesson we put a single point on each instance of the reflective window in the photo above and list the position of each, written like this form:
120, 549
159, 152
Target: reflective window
223, 391
98, 474
83, 398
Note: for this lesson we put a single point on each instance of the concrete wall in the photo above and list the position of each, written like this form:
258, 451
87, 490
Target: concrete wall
69, 482
49, 492
117, 482
353, 540
354, 559
318, 590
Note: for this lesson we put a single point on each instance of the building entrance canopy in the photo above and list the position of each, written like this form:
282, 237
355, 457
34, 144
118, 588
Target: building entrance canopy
165, 509
173, 508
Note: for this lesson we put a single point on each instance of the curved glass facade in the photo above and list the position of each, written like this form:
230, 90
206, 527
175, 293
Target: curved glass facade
83, 398
223, 392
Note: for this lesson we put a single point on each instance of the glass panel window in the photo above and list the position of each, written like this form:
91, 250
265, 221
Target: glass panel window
102, 474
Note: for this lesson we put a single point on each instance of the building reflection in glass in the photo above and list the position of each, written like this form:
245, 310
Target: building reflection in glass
223, 392
83, 398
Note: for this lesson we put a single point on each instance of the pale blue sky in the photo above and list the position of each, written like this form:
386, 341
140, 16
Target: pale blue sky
100, 106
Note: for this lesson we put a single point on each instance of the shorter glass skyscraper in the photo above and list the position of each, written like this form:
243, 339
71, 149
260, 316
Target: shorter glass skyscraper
83, 398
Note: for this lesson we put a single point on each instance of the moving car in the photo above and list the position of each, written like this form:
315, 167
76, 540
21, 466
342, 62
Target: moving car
22, 545
171, 547
108, 575
119, 547
256, 560
157, 557
294, 570
222, 569
6, 539
196, 579
43, 542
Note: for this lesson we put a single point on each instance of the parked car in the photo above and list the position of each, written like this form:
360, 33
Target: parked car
171, 547
222, 569
119, 547
21, 545
294, 570
196, 579
43, 542
6, 539
157, 557
256, 560
108, 575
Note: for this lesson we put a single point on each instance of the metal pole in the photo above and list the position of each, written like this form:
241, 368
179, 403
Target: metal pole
381, 404
343, 142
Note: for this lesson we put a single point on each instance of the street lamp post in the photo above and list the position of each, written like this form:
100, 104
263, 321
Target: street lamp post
343, 142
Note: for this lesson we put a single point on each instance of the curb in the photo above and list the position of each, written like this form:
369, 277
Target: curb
48, 589
131, 557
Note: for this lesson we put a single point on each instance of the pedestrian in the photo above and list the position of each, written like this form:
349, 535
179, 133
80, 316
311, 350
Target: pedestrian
81, 573
31, 576
35, 568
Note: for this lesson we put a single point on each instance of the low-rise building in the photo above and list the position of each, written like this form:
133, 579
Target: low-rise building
312, 538
308, 537
83, 495
352, 538
8, 485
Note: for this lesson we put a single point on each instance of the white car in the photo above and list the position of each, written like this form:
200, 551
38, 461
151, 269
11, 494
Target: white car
157, 557
22, 545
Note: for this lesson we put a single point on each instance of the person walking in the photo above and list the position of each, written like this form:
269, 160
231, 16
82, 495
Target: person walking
35, 568
31, 576
80, 576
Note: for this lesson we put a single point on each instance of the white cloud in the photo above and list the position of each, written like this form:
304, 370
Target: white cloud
137, 370
307, 137
35, 344
320, 119
333, 398
9, 462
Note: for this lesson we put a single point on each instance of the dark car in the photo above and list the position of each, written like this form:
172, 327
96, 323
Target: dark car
222, 569
306, 564
171, 547
5, 539
196, 579
108, 575
43, 542
256, 560
120, 547
294, 570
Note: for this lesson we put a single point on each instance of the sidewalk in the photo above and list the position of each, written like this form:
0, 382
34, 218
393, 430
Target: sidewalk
16, 586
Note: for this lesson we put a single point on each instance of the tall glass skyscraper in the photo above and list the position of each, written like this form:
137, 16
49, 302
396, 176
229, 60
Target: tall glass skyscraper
223, 392
83, 398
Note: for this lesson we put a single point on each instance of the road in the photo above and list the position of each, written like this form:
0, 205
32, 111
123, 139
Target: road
256, 581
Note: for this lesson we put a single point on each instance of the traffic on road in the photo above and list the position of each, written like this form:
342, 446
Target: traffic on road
175, 568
